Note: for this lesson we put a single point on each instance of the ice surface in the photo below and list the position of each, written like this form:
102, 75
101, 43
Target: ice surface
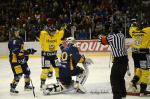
98, 80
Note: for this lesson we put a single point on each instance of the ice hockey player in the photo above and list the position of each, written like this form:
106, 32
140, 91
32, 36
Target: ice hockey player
68, 68
18, 58
140, 32
116, 40
50, 40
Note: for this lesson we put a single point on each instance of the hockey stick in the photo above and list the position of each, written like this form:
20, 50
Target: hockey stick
33, 88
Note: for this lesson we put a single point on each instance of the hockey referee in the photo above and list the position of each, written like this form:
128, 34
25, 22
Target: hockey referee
116, 40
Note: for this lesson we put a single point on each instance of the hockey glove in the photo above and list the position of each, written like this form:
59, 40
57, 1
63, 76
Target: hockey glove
102, 39
31, 51
21, 59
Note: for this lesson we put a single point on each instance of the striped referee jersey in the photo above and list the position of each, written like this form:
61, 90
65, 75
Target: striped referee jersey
117, 44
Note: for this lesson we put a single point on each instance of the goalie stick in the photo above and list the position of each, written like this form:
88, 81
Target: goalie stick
84, 76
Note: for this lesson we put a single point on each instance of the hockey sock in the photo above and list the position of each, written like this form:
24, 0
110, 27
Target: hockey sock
27, 81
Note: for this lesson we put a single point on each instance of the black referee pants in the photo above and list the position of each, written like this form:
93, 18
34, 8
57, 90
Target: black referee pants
117, 80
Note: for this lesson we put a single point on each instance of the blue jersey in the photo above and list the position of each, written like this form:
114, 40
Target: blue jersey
70, 57
16, 48
15, 45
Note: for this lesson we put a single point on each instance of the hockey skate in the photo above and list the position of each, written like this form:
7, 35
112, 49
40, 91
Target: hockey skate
142, 94
28, 87
13, 91
145, 93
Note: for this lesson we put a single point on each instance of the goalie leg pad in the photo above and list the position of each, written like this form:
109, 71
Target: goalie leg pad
79, 88
57, 88
52, 89
81, 78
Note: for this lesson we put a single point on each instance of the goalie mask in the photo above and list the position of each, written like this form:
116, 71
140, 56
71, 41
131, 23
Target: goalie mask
70, 40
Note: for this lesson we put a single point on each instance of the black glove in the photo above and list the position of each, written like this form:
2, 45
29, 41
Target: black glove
31, 51
21, 59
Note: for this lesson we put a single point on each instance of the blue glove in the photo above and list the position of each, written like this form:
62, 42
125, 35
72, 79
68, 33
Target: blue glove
31, 51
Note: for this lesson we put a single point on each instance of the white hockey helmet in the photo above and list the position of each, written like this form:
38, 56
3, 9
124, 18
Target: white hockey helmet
70, 40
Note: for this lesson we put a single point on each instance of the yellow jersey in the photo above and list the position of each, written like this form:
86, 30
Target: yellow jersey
141, 38
50, 43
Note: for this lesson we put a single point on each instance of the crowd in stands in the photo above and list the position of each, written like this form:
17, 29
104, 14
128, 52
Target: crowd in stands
85, 18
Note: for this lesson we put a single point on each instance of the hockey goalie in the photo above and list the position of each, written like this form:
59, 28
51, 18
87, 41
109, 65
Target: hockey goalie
67, 68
